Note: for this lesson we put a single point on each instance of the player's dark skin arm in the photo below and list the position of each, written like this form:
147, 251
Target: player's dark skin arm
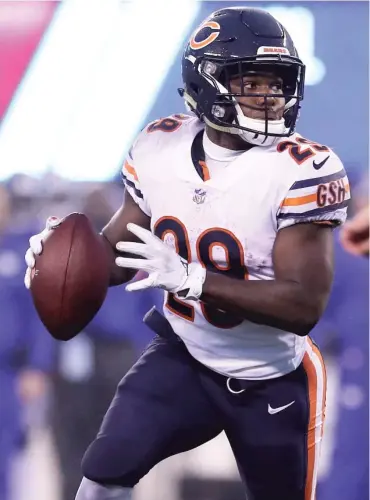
297, 297
116, 230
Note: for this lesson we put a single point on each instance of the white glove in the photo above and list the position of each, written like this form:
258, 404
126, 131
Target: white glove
165, 267
36, 243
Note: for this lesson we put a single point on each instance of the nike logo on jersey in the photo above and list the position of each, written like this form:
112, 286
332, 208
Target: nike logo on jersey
317, 166
272, 411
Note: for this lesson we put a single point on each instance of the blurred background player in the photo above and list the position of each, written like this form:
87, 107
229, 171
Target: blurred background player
55, 394
27, 353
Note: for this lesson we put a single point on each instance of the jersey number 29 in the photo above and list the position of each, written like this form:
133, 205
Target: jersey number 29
210, 238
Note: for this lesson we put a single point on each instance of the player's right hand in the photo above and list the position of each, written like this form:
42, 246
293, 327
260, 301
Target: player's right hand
354, 235
36, 244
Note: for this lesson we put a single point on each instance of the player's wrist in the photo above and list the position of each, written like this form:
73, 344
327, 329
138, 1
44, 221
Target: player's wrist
192, 288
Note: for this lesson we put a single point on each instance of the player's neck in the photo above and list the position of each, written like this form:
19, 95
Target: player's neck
218, 154
225, 140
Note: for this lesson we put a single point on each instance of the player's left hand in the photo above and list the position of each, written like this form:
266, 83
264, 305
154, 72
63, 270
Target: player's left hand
165, 268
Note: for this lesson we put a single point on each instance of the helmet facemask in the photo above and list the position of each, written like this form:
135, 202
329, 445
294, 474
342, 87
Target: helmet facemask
224, 113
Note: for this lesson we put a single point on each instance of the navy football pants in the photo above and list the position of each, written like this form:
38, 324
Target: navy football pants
169, 403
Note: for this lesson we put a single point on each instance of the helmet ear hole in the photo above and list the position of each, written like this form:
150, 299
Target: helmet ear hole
226, 112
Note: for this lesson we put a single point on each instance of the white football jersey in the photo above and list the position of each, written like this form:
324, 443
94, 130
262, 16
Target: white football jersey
229, 223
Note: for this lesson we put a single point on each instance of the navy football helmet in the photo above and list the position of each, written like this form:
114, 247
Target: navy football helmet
229, 44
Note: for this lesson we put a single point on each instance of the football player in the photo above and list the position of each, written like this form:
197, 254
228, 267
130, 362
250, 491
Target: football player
231, 212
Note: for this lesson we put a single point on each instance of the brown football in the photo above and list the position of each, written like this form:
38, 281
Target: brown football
71, 277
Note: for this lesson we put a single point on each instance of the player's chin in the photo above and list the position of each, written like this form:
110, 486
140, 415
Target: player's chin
270, 117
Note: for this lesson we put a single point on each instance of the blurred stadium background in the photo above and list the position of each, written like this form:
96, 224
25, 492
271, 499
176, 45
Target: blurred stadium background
78, 80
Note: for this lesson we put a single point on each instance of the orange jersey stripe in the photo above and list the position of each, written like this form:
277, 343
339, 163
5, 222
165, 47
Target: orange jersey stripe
314, 417
130, 169
205, 170
312, 391
319, 355
301, 200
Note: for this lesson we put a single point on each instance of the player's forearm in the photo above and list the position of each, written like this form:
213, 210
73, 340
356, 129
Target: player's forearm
118, 275
280, 304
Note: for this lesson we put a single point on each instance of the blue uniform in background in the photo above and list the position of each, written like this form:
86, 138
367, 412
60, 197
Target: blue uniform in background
347, 317
121, 316
24, 344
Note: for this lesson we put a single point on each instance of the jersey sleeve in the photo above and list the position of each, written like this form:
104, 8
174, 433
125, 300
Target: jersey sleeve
132, 182
316, 198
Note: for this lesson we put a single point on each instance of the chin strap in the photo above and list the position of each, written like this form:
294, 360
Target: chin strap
255, 138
